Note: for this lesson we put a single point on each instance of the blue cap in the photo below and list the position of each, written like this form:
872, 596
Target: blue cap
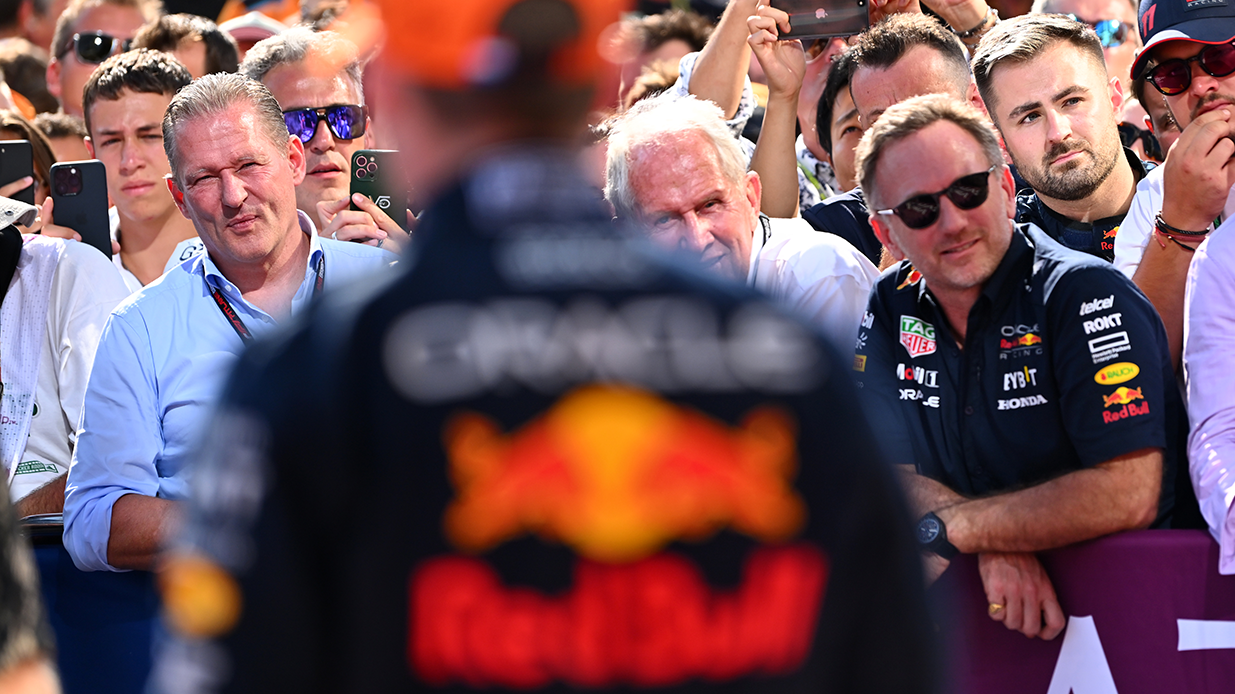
1199, 21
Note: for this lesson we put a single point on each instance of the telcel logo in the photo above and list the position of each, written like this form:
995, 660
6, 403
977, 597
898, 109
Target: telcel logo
1115, 374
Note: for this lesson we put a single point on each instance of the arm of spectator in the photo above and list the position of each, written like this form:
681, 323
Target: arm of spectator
368, 225
119, 443
961, 15
775, 160
1196, 180
1210, 315
46, 499
1018, 583
926, 495
1061, 511
720, 73
140, 526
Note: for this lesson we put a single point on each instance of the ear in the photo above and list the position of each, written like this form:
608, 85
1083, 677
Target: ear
370, 140
295, 159
975, 98
883, 232
177, 196
1008, 185
754, 191
1117, 97
53, 77
1149, 124
90, 146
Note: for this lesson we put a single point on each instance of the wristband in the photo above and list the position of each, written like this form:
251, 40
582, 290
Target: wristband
1172, 230
982, 25
1162, 234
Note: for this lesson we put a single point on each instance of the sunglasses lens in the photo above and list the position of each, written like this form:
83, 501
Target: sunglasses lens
1111, 32
93, 48
919, 212
347, 122
1171, 77
1219, 60
970, 191
301, 123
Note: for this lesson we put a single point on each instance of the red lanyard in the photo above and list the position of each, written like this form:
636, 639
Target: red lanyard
232, 317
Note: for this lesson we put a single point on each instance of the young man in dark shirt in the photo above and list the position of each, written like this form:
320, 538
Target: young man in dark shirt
1045, 85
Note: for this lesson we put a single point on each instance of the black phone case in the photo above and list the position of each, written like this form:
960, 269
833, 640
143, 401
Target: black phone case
813, 19
378, 175
85, 212
17, 161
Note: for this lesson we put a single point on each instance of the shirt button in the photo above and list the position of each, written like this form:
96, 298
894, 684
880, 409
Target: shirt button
968, 409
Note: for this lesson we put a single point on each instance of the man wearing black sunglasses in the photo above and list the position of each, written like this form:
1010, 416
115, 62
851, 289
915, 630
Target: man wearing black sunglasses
1189, 59
87, 33
1014, 379
316, 77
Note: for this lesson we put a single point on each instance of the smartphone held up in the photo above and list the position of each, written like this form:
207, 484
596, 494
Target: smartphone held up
79, 194
814, 19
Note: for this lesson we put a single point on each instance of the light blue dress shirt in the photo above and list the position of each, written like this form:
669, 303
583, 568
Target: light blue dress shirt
163, 358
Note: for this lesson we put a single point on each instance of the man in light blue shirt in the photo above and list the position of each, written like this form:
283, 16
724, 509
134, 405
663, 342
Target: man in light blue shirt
166, 351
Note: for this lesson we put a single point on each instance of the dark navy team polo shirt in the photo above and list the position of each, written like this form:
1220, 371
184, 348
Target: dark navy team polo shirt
846, 216
1096, 238
1065, 365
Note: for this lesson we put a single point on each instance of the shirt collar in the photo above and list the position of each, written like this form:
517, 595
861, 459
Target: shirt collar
210, 272
1010, 272
761, 235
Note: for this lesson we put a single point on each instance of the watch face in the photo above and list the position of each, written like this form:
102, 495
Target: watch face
928, 530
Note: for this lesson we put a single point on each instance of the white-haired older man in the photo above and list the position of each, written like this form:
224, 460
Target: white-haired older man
674, 169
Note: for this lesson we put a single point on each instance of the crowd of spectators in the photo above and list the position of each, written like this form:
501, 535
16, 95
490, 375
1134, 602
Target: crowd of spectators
1009, 218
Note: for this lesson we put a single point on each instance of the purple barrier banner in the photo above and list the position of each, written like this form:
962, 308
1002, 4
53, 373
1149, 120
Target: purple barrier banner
1147, 612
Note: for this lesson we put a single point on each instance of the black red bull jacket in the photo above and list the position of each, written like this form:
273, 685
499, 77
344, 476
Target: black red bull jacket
543, 460
1096, 238
1064, 366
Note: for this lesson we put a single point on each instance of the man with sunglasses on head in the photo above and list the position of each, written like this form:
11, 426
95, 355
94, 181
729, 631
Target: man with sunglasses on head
87, 33
316, 77
1189, 59
1114, 22
1045, 86
1025, 388
124, 102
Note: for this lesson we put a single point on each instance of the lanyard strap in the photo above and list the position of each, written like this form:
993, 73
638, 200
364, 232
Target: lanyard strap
225, 306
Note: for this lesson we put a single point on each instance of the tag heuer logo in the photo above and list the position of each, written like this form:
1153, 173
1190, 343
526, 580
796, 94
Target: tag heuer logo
918, 337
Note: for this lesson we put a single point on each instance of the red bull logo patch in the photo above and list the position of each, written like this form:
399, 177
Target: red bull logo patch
616, 474
911, 279
1028, 340
1122, 396
652, 623
1109, 235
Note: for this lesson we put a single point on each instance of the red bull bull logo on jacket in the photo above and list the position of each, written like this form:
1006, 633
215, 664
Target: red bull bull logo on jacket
616, 474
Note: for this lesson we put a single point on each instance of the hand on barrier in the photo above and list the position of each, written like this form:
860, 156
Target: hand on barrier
1020, 594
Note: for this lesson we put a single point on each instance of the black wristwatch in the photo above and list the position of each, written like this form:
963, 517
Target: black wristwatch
933, 537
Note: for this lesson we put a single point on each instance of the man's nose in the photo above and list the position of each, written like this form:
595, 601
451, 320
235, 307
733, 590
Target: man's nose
694, 236
322, 139
233, 190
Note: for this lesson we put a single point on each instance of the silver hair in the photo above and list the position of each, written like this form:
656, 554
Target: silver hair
914, 115
213, 94
655, 120
294, 45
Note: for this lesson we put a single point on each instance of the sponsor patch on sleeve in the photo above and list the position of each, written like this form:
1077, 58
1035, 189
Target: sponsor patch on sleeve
1115, 374
859, 362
